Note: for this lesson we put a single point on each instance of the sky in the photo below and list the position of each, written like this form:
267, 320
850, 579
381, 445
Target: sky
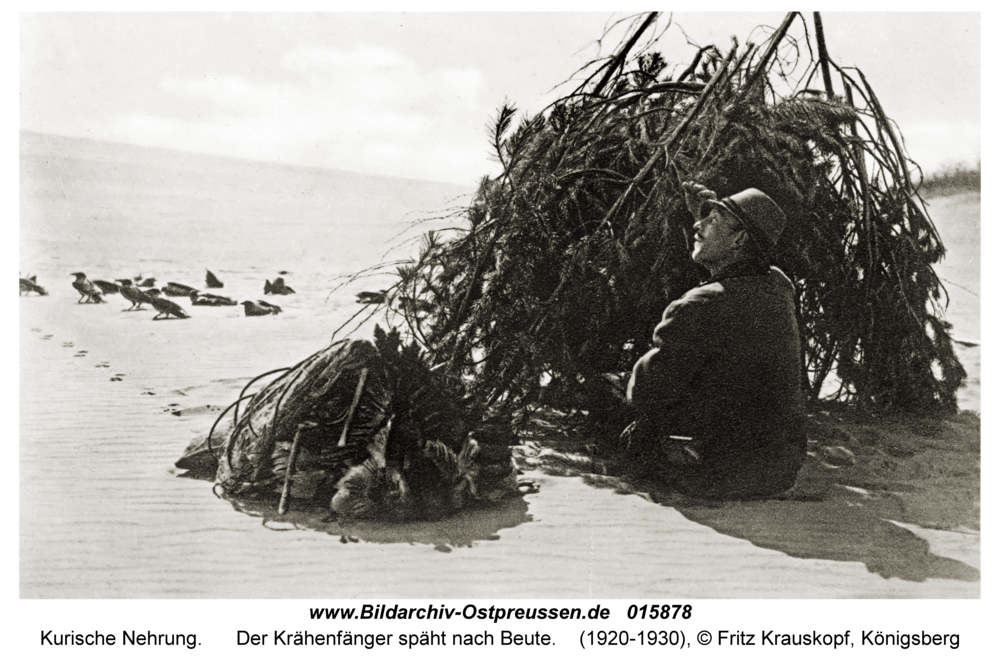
412, 94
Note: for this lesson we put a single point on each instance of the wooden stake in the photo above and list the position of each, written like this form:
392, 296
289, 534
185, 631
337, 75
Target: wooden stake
286, 489
354, 405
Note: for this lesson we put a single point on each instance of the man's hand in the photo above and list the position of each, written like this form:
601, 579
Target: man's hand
695, 195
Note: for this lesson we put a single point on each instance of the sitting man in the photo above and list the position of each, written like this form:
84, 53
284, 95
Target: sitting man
719, 396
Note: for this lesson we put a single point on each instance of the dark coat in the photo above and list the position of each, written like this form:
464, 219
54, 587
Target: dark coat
726, 371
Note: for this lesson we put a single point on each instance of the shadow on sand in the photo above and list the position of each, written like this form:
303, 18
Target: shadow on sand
462, 530
819, 519
477, 523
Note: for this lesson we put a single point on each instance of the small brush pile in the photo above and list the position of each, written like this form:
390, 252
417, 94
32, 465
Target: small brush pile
371, 430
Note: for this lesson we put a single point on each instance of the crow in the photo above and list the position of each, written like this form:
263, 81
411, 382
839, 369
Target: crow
86, 289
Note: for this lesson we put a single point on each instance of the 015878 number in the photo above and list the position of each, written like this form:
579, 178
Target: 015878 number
659, 611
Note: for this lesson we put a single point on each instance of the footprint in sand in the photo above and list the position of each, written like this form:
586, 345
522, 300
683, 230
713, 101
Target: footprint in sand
81, 353
47, 337
36, 329
103, 364
117, 377
68, 344
149, 392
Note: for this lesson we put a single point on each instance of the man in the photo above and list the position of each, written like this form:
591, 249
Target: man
719, 397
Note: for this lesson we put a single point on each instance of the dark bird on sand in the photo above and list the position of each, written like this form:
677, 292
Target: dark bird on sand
30, 285
277, 288
208, 299
173, 289
367, 297
411, 304
140, 282
211, 281
133, 294
89, 294
165, 307
107, 287
260, 307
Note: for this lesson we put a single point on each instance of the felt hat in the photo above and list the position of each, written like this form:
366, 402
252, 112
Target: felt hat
761, 217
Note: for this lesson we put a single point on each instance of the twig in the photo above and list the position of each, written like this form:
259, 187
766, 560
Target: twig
286, 488
776, 38
218, 419
236, 413
337, 330
824, 57
665, 147
354, 404
619, 58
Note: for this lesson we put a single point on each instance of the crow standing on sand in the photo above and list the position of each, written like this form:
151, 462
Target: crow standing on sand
133, 294
165, 307
30, 285
277, 288
107, 287
367, 297
211, 281
86, 289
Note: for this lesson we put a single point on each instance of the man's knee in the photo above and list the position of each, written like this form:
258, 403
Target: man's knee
638, 390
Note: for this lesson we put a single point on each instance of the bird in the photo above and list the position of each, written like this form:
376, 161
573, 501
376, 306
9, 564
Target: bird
86, 289
277, 288
133, 294
260, 307
146, 283
273, 308
173, 289
370, 491
211, 281
209, 299
413, 305
367, 297
107, 287
30, 285
165, 307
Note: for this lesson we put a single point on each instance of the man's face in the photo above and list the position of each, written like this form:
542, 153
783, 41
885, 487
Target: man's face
717, 238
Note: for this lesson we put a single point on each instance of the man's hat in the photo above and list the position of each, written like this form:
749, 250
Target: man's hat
761, 217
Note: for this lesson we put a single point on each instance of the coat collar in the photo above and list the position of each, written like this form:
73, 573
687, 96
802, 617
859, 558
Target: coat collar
741, 268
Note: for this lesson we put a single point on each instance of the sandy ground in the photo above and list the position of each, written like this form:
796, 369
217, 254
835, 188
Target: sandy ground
108, 400
884, 508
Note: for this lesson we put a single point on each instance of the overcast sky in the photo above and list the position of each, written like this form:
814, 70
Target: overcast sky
411, 94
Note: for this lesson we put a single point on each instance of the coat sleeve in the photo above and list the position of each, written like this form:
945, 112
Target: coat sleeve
682, 345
